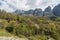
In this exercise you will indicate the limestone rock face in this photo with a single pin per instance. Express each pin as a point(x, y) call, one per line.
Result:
point(56, 10)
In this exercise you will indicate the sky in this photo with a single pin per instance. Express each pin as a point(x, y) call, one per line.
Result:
point(12, 5)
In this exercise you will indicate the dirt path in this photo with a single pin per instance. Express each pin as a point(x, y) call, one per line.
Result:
point(12, 38)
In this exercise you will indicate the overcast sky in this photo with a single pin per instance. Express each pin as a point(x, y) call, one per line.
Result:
point(11, 5)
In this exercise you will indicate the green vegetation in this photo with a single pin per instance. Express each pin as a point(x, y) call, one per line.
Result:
point(31, 27)
point(4, 33)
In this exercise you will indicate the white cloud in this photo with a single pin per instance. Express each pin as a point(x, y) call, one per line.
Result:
point(10, 5)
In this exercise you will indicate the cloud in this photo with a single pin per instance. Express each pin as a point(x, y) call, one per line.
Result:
point(5, 6)
point(31, 2)
point(11, 5)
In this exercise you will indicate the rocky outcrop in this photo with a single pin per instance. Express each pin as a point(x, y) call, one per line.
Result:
point(56, 10)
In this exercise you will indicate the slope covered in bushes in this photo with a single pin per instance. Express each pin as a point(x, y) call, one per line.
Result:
point(31, 27)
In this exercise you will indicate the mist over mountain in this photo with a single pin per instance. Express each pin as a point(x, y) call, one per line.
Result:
point(36, 12)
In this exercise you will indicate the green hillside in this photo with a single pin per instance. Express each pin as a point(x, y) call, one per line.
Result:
point(31, 27)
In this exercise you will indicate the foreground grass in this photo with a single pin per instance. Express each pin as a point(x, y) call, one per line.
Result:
point(4, 33)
